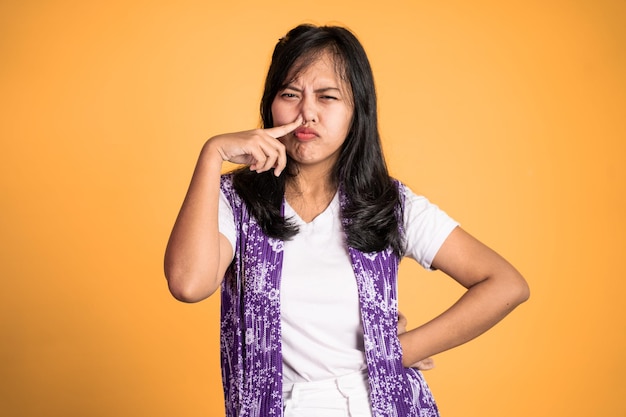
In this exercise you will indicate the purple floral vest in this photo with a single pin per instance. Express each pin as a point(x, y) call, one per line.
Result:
point(251, 336)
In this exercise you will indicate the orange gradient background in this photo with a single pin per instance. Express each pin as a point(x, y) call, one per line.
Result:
point(509, 115)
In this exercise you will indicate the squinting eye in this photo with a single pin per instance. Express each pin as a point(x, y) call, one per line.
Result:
point(288, 95)
point(329, 98)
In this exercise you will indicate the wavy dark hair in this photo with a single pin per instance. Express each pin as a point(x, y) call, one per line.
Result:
point(360, 171)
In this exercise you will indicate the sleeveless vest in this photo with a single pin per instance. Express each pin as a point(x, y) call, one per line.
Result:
point(250, 338)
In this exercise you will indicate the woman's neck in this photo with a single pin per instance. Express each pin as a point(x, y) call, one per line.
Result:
point(309, 195)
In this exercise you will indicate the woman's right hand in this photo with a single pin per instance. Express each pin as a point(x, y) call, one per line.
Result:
point(261, 149)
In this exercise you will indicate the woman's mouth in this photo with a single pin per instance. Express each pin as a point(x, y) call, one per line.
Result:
point(305, 133)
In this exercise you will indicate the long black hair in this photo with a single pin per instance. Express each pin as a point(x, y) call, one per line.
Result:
point(360, 171)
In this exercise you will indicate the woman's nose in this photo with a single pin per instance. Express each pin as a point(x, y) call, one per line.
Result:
point(308, 110)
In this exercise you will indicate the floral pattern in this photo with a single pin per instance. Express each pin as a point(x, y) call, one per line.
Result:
point(250, 326)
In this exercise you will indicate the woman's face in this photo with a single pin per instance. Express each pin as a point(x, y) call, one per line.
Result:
point(324, 101)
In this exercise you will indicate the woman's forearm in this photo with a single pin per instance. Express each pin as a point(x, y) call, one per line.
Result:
point(479, 309)
point(494, 289)
point(194, 250)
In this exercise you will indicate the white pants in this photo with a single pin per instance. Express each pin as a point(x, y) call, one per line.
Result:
point(346, 396)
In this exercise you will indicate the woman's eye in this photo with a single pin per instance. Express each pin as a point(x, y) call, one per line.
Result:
point(288, 95)
point(329, 98)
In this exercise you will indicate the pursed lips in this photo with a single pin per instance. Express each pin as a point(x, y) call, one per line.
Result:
point(305, 133)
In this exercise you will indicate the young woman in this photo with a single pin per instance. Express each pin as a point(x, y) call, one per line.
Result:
point(305, 240)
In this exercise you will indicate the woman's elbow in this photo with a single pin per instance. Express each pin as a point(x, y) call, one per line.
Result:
point(524, 292)
point(189, 289)
point(519, 291)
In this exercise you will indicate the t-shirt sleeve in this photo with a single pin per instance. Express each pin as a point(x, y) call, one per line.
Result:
point(226, 220)
point(426, 227)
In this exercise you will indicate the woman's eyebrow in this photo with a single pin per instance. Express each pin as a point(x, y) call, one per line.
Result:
point(319, 90)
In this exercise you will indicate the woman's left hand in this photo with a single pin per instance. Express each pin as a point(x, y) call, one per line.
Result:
point(423, 365)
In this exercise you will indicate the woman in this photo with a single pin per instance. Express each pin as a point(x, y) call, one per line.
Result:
point(305, 242)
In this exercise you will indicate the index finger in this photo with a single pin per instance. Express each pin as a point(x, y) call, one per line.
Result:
point(280, 131)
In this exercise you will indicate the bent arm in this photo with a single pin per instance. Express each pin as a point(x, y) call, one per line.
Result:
point(197, 255)
point(494, 289)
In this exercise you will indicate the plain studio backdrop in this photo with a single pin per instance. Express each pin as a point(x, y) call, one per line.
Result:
point(509, 115)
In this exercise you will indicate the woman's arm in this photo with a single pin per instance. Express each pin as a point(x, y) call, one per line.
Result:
point(494, 289)
point(197, 254)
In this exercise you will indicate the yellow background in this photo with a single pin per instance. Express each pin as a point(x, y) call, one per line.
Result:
point(509, 115)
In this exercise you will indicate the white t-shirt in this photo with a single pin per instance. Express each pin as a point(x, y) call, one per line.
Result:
point(322, 335)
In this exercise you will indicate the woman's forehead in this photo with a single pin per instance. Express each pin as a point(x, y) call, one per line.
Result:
point(321, 61)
